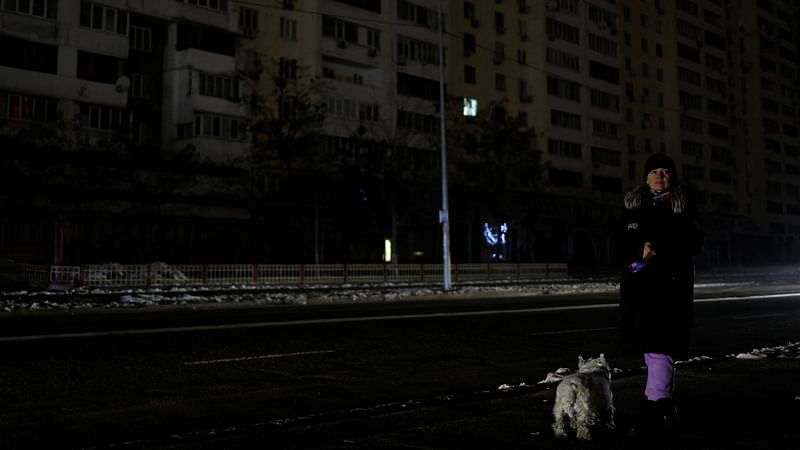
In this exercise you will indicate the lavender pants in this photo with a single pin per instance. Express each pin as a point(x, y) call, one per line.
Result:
point(660, 376)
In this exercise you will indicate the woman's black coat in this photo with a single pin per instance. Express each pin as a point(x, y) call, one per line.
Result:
point(656, 302)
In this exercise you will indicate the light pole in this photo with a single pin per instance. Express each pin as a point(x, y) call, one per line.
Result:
point(444, 218)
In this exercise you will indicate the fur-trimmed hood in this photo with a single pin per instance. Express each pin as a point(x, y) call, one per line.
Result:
point(635, 197)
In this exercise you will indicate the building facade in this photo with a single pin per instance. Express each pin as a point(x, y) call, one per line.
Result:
point(603, 84)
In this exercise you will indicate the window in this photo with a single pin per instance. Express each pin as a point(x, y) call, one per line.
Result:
point(418, 122)
point(499, 52)
point(500, 82)
point(469, 10)
point(499, 22)
point(288, 29)
point(604, 128)
point(368, 5)
point(219, 86)
point(604, 100)
point(565, 119)
point(522, 56)
point(602, 45)
point(692, 148)
point(28, 107)
point(563, 59)
point(470, 107)
point(140, 85)
point(248, 20)
point(689, 76)
point(564, 89)
point(28, 55)
point(373, 38)
point(718, 131)
point(38, 8)
point(602, 17)
point(692, 124)
point(105, 118)
point(469, 44)
point(603, 72)
point(522, 119)
point(419, 14)
point(369, 113)
point(287, 69)
point(219, 5)
point(416, 50)
point(564, 148)
point(99, 68)
point(693, 173)
point(417, 87)
point(103, 18)
point(690, 101)
point(141, 39)
point(716, 86)
point(470, 75)
point(562, 31)
point(606, 156)
point(522, 88)
point(223, 127)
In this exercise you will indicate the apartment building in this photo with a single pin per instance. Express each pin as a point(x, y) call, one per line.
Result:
point(171, 79)
point(604, 84)
point(555, 66)
point(158, 76)
point(711, 83)
point(121, 86)
point(764, 97)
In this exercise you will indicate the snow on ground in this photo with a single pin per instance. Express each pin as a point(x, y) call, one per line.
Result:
point(278, 295)
point(789, 351)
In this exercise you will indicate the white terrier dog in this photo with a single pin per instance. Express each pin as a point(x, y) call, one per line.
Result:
point(585, 399)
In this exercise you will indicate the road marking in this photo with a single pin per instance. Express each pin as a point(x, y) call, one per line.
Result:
point(336, 320)
point(747, 297)
point(575, 331)
point(252, 358)
point(758, 316)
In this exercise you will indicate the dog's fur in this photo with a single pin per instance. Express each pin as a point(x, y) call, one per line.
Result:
point(584, 398)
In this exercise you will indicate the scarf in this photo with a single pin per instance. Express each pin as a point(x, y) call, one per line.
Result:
point(660, 196)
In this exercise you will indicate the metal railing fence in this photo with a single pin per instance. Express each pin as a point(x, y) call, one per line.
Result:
point(163, 275)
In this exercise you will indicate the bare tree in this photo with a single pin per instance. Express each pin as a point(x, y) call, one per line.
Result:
point(287, 117)
point(493, 159)
point(391, 145)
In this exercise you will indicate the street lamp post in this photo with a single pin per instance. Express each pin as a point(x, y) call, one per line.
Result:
point(444, 218)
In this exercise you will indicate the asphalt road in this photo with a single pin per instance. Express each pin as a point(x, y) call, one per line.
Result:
point(199, 378)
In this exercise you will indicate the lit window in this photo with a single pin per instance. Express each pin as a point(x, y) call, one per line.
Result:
point(470, 107)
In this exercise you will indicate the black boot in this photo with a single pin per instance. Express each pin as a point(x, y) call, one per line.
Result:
point(666, 413)
point(656, 419)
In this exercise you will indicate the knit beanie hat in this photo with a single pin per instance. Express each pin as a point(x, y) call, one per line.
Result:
point(661, 160)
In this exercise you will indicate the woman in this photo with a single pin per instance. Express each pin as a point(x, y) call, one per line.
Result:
point(661, 236)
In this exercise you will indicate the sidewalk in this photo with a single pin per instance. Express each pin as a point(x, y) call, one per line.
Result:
point(728, 404)
point(732, 404)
